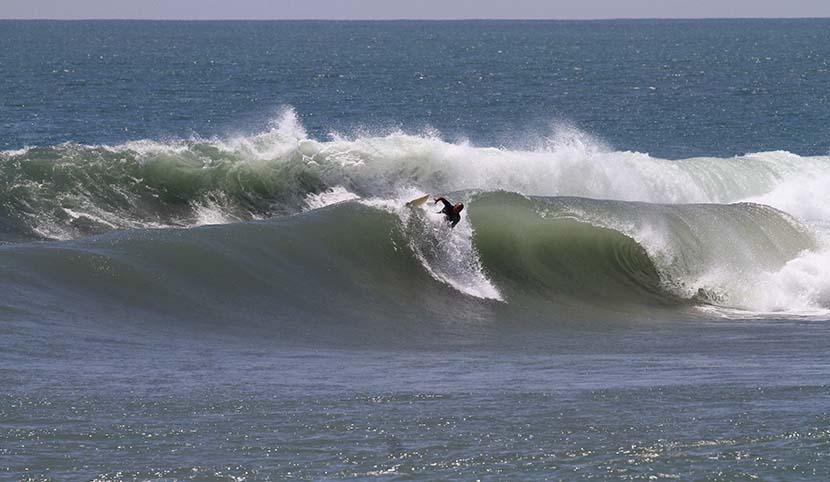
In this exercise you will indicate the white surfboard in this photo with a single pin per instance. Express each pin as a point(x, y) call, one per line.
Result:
point(418, 201)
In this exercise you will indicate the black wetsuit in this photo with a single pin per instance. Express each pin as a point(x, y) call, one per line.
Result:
point(449, 211)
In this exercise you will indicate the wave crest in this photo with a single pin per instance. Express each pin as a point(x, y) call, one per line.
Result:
point(71, 190)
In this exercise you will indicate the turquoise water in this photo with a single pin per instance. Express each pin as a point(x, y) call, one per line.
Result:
point(208, 272)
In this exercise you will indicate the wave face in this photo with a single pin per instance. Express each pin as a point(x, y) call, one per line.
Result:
point(348, 266)
point(565, 225)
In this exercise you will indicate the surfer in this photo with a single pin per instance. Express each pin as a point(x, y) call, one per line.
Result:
point(453, 213)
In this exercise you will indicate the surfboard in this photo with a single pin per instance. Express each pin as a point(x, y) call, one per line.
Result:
point(418, 201)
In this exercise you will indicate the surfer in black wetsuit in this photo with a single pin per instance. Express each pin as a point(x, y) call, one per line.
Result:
point(453, 213)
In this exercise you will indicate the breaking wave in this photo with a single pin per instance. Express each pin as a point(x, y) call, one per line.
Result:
point(552, 258)
point(552, 229)
point(71, 190)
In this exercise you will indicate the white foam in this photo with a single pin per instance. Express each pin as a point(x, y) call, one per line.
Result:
point(210, 213)
point(334, 195)
point(566, 164)
point(146, 147)
point(805, 196)
point(448, 255)
point(14, 152)
point(280, 141)
point(800, 288)
point(455, 261)
point(79, 215)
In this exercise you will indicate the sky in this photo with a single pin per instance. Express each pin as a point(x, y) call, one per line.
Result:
point(409, 9)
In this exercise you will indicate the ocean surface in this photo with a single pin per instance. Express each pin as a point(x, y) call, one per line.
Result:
point(208, 273)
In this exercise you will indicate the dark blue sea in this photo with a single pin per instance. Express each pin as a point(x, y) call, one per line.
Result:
point(208, 270)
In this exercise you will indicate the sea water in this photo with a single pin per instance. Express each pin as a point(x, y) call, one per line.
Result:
point(208, 272)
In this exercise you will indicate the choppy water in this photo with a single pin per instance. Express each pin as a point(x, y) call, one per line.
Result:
point(209, 273)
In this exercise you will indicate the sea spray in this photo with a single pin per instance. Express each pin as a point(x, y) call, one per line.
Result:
point(447, 254)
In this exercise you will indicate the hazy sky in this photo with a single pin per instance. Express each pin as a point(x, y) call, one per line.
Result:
point(422, 9)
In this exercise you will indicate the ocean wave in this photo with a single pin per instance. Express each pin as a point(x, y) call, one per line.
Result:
point(70, 190)
point(514, 257)
point(745, 256)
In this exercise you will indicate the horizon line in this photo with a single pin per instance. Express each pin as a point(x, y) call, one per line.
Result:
point(458, 19)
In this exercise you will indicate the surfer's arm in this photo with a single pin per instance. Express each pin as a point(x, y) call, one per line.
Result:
point(455, 222)
point(447, 204)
